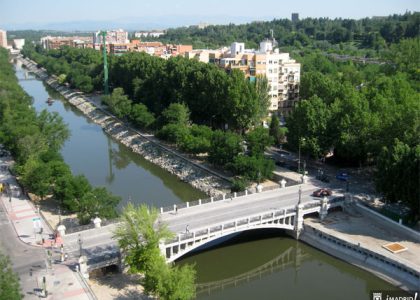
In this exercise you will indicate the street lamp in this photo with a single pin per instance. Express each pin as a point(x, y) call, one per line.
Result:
point(301, 139)
point(300, 194)
point(79, 240)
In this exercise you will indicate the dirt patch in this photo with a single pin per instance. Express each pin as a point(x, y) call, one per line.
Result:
point(394, 247)
point(117, 286)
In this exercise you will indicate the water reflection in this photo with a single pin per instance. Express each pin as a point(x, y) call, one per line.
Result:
point(269, 265)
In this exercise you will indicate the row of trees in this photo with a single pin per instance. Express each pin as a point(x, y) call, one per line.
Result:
point(138, 235)
point(35, 140)
point(372, 33)
point(223, 148)
point(213, 97)
point(367, 114)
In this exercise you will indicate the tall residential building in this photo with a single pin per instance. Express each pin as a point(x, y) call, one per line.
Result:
point(295, 17)
point(282, 72)
point(112, 37)
point(3, 38)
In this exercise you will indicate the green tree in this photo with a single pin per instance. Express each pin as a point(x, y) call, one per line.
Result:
point(173, 133)
point(97, 202)
point(252, 168)
point(53, 129)
point(397, 175)
point(176, 113)
point(141, 116)
point(37, 177)
point(262, 88)
point(258, 140)
point(138, 235)
point(224, 147)
point(309, 122)
point(9, 281)
point(276, 132)
point(70, 189)
point(118, 103)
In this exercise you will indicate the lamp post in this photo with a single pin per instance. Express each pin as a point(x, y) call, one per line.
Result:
point(300, 195)
point(79, 240)
point(300, 141)
point(299, 157)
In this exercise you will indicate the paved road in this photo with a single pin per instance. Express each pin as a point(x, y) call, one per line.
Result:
point(23, 257)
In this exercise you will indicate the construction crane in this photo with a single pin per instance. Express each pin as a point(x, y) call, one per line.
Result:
point(106, 88)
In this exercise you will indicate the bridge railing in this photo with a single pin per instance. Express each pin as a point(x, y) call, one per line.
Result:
point(247, 220)
point(214, 199)
point(79, 228)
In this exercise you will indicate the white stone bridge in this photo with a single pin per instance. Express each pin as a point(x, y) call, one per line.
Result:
point(200, 223)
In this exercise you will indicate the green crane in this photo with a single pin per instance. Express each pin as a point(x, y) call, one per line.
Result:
point(106, 88)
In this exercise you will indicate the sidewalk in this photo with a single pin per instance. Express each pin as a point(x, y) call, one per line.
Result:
point(61, 281)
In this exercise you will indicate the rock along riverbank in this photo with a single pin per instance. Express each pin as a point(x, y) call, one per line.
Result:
point(186, 170)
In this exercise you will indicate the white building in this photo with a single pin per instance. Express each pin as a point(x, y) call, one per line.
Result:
point(153, 33)
point(112, 37)
point(18, 43)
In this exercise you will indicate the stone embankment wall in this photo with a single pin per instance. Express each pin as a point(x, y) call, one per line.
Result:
point(395, 272)
point(186, 170)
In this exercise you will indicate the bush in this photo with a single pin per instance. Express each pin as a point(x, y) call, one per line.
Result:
point(239, 184)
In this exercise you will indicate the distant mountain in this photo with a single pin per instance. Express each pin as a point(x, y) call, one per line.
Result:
point(132, 23)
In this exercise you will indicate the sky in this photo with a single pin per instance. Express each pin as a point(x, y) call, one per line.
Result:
point(27, 14)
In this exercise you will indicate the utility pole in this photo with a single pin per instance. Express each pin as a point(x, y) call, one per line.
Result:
point(106, 88)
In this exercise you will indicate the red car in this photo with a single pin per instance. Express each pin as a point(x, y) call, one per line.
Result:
point(322, 193)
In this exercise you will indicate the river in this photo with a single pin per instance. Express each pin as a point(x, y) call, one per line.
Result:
point(255, 265)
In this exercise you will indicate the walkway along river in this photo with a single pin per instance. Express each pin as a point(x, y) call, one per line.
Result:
point(252, 266)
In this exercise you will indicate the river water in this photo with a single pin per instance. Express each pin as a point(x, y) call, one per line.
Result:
point(255, 265)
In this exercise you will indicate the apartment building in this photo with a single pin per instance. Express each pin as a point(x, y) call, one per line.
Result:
point(3, 38)
point(55, 42)
point(282, 72)
point(118, 36)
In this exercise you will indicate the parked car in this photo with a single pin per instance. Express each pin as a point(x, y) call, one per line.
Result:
point(323, 177)
point(322, 193)
point(283, 153)
point(280, 163)
point(343, 176)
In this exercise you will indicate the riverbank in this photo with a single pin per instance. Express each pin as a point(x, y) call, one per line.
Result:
point(194, 173)
point(358, 240)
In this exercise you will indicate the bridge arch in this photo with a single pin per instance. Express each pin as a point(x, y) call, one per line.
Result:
point(187, 242)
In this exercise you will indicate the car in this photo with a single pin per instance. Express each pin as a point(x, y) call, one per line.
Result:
point(283, 153)
point(280, 163)
point(322, 193)
point(323, 178)
point(342, 176)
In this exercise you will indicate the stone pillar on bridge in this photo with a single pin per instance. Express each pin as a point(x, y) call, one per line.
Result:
point(298, 221)
point(97, 221)
point(283, 183)
point(83, 266)
point(61, 230)
point(347, 198)
point(324, 208)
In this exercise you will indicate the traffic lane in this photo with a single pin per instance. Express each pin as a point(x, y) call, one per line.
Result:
point(27, 261)
point(231, 212)
point(251, 199)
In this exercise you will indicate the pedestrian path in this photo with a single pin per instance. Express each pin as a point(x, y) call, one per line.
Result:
point(60, 279)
